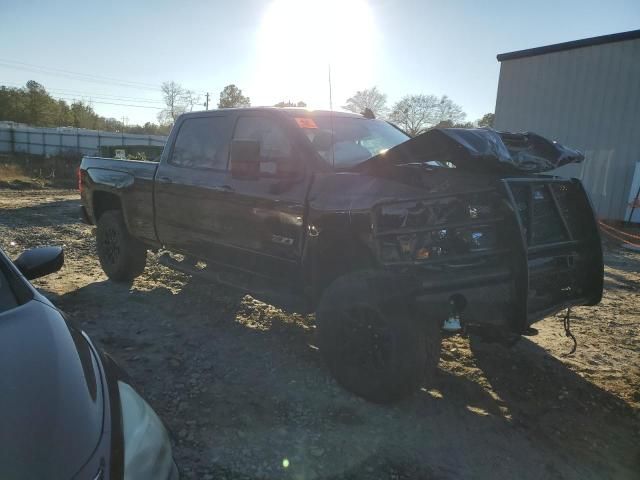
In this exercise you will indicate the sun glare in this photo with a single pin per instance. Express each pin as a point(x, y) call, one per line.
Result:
point(299, 39)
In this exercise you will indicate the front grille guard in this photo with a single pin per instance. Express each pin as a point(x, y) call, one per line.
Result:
point(521, 316)
point(523, 248)
point(379, 233)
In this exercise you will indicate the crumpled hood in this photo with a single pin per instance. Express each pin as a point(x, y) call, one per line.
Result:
point(482, 150)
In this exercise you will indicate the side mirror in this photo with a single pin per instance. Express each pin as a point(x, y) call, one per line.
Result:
point(41, 261)
point(245, 159)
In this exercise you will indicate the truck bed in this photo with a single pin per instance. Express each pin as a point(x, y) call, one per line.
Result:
point(110, 183)
point(134, 167)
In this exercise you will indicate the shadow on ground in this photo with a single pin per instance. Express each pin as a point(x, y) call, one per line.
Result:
point(242, 387)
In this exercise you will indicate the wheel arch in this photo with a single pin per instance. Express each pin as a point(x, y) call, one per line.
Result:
point(103, 201)
point(330, 258)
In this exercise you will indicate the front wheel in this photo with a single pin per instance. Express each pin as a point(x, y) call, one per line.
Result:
point(121, 256)
point(372, 340)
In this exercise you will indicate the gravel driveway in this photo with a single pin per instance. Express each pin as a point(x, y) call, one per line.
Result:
point(241, 386)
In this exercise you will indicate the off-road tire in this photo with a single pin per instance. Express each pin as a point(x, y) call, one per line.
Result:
point(372, 340)
point(121, 256)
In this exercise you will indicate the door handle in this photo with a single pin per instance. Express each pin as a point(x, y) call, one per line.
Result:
point(223, 188)
point(165, 180)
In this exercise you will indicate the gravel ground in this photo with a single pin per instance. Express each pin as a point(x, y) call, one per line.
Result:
point(241, 386)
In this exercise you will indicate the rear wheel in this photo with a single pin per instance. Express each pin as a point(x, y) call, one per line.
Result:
point(121, 256)
point(372, 340)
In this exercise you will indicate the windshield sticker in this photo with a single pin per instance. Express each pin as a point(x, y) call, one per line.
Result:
point(304, 122)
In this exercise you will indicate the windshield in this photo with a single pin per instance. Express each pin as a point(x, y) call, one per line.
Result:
point(354, 139)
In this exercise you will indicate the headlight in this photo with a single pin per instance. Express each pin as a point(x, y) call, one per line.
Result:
point(437, 243)
point(431, 228)
point(147, 450)
point(433, 212)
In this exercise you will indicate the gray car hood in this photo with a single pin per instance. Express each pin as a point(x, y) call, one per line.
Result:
point(480, 150)
point(50, 395)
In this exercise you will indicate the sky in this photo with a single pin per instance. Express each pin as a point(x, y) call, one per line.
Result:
point(117, 54)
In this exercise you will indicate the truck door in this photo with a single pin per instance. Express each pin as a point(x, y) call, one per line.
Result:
point(263, 216)
point(187, 185)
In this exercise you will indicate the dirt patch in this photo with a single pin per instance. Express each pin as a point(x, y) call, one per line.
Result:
point(23, 172)
point(241, 386)
point(14, 178)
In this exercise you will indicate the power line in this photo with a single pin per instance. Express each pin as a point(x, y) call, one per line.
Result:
point(96, 95)
point(83, 76)
point(110, 103)
point(120, 84)
point(105, 96)
point(64, 94)
point(68, 73)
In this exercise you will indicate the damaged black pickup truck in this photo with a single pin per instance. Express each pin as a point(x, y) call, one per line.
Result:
point(387, 238)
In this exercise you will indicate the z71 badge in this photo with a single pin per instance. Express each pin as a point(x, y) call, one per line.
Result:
point(281, 240)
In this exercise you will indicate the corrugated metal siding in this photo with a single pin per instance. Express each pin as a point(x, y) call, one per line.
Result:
point(587, 98)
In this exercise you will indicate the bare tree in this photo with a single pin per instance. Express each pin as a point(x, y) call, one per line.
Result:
point(177, 101)
point(448, 110)
point(191, 99)
point(368, 99)
point(417, 113)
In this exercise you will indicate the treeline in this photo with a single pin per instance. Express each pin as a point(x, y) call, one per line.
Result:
point(413, 113)
point(33, 105)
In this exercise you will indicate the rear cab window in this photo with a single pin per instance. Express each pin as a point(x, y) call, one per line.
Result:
point(201, 143)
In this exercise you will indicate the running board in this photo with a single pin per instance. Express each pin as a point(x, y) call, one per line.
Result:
point(255, 285)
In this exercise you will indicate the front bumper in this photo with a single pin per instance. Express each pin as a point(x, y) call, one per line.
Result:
point(487, 298)
point(548, 257)
point(495, 297)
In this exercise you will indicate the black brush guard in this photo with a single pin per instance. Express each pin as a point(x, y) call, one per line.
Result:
point(559, 257)
point(549, 256)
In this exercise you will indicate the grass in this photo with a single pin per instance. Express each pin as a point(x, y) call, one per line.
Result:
point(13, 176)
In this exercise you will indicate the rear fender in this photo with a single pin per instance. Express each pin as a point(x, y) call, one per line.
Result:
point(104, 183)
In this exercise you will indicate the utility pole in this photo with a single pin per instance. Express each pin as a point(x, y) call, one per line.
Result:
point(206, 105)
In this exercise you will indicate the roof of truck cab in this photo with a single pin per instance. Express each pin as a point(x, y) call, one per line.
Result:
point(296, 111)
point(291, 111)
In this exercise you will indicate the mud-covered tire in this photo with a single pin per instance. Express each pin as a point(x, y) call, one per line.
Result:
point(373, 342)
point(121, 256)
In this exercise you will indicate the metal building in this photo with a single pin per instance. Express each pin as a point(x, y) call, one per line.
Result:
point(584, 94)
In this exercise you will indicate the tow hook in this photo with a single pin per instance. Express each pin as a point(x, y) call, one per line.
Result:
point(457, 304)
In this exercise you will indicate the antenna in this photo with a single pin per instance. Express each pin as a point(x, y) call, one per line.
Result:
point(333, 150)
point(330, 98)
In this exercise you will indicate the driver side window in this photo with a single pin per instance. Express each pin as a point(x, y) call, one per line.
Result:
point(276, 153)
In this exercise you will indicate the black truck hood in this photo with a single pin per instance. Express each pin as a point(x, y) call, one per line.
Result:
point(51, 394)
point(479, 150)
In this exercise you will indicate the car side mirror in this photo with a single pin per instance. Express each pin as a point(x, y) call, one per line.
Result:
point(41, 261)
point(245, 159)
